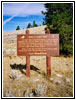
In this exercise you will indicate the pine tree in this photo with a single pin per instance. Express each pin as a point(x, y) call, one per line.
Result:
point(43, 23)
point(59, 18)
point(34, 24)
point(29, 25)
point(18, 28)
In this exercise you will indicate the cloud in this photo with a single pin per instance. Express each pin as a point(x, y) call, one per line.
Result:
point(22, 9)
point(7, 20)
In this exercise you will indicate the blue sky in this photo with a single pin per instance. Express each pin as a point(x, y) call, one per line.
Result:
point(21, 14)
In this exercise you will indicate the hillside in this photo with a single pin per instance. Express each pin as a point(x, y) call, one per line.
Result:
point(17, 84)
point(11, 37)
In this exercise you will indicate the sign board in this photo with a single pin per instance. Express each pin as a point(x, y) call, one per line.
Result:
point(38, 44)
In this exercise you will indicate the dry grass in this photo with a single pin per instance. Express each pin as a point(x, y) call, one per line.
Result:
point(56, 86)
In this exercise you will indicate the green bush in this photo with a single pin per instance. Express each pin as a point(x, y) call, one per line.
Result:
point(59, 19)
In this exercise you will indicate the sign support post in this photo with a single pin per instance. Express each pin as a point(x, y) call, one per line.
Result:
point(48, 59)
point(27, 60)
point(48, 64)
point(28, 66)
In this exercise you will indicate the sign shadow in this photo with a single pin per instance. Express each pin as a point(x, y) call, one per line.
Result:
point(22, 67)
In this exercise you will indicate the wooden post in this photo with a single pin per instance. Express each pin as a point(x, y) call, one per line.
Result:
point(28, 66)
point(48, 65)
point(48, 58)
point(27, 60)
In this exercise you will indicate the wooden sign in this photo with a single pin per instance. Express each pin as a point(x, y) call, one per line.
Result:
point(38, 44)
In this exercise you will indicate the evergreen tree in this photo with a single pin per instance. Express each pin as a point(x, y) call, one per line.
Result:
point(59, 18)
point(34, 24)
point(43, 23)
point(18, 28)
point(29, 25)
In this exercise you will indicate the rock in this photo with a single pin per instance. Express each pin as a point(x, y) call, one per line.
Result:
point(13, 74)
point(4, 51)
point(59, 75)
point(14, 51)
point(8, 51)
point(51, 79)
point(68, 80)
point(38, 74)
point(36, 80)
point(63, 85)
point(18, 77)
point(57, 81)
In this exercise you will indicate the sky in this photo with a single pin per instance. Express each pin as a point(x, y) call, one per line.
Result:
point(21, 14)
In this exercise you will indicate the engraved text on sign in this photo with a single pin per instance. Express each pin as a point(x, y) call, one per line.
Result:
point(38, 45)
